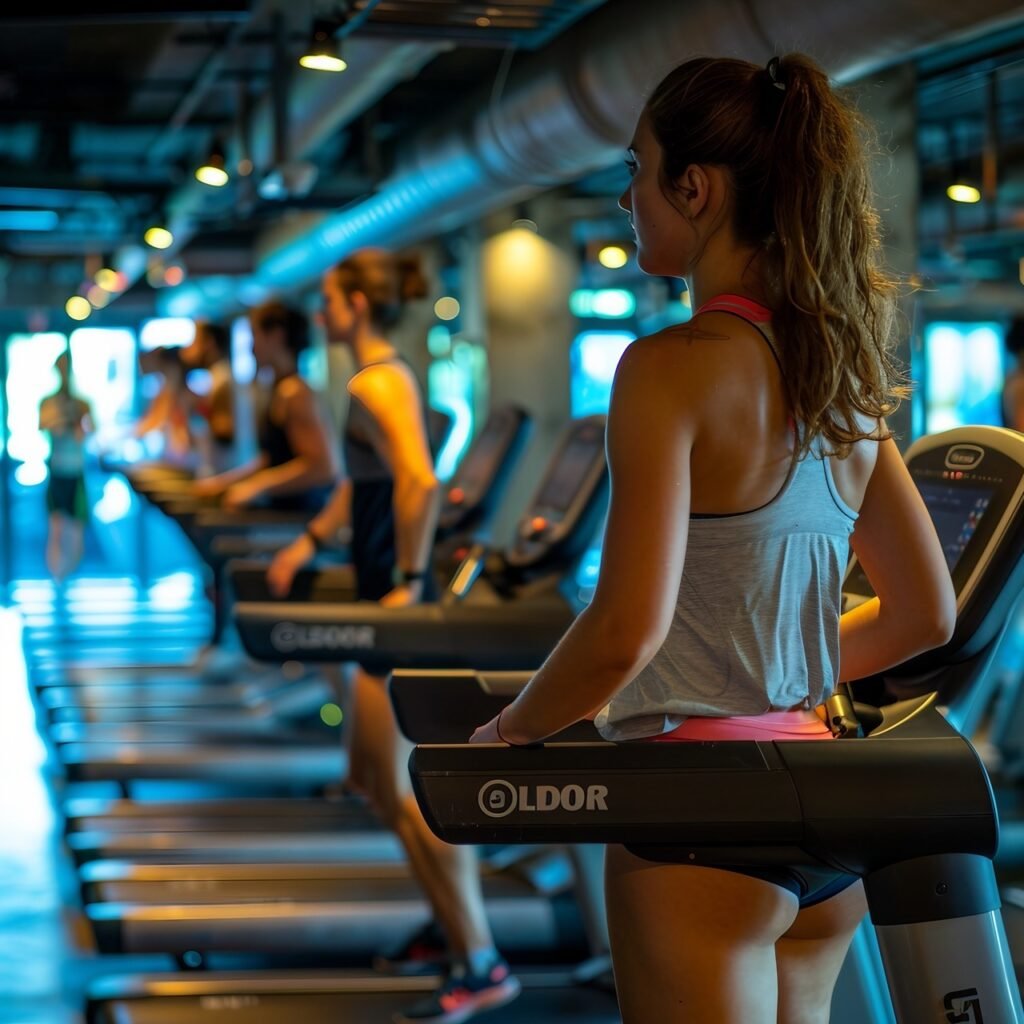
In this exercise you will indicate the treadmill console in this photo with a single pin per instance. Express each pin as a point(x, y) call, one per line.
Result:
point(567, 494)
point(482, 463)
point(972, 482)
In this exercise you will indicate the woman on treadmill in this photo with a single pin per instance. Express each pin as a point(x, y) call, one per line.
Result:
point(390, 499)
point(748, 450)
point(296, 466)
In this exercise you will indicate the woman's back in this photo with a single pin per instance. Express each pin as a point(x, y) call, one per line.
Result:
point(756, 621)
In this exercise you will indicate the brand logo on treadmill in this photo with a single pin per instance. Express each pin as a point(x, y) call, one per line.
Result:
point(288, 637)
point(498, 798)
point(964, 456)
point(963, 1007)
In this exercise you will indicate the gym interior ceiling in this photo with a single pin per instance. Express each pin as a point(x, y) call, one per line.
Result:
point(105, 116)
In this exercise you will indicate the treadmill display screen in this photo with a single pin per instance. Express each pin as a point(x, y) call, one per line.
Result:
point(564, 483)
point(956, 512)
point(478, 465)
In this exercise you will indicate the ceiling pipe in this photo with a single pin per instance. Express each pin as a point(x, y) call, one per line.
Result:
point(570, 109)
point(317, 107)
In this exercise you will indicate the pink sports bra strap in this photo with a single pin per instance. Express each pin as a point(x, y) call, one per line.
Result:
point(739, 306)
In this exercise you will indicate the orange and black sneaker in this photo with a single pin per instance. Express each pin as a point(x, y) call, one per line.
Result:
point(464, 995)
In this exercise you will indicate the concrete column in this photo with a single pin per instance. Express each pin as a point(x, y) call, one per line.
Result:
point(527, 278)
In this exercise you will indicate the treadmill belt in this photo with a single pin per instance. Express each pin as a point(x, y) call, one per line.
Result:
point(552, 1006)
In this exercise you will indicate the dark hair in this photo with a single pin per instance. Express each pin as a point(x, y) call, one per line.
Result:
point(387, 281)
point(1014, 340)
point(218, 334)
point(797, 159)
point(295, 324)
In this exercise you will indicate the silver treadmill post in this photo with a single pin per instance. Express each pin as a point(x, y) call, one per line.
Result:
point(942, 941)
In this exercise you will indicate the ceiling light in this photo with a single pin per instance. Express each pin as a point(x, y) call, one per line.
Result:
point(323, 54)
point(77, 307)
point(107, 279)
point(213, 172)
point(613, 257)
point(159, 238)
point(447, 308)
point(961, 193)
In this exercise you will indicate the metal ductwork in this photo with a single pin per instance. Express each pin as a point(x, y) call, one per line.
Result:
point(570, 109)
point(317, 105)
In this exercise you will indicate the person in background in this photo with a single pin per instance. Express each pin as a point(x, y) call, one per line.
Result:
point(1013, 389)
point(169, 413)
point(67, 420)
point(210, 350)
point(390, 499)
point(296, 465)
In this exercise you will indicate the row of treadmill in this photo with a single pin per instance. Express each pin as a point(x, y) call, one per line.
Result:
point(233, 847)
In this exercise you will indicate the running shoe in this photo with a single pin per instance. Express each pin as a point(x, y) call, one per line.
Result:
point(463, 996)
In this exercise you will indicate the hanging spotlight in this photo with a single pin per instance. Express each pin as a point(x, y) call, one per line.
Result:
point(107, 279)
point(963, 193)
point(159, 237)
point(77, 307)
point(213, 172)
point(323, 52)
point(613, 257)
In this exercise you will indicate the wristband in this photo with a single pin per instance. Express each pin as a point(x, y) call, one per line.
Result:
point(400, 577)
point(497, 727)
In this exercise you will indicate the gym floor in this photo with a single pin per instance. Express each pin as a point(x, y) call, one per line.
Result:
point(46, 959)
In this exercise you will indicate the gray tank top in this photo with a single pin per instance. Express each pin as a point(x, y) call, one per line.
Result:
point(756, 624)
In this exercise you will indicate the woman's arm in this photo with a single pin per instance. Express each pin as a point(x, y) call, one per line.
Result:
point(651, 432)
point(313, 464)
point(211, 486)
point(895, 540)
point(393, 400)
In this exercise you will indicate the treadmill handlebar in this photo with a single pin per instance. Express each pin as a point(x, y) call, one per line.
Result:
point(855, 806)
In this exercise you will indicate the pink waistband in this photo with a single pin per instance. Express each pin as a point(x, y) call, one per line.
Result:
point(773, 725)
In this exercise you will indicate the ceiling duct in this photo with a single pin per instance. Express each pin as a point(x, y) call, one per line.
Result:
point(316, 106)
point(570, 109)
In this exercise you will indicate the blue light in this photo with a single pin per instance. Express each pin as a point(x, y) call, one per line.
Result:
point(176, 331)
point(963, 375)
point(603, 303)
point(594, 357)
point(28, 220)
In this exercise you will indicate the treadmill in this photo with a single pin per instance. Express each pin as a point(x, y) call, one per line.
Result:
point(511, 612)
point(469, 504)
point(924, 847)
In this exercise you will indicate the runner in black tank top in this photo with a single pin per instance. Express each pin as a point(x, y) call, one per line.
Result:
point(295, 467)
point(372, 509)
point(390, 499)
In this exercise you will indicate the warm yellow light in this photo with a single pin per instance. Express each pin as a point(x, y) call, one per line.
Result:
point(322, 62)
point(447, 308)
point(97, 296)
point(686, 300)
point(483, 22)
point(107, 279)
point(159, 238)
point(1020, 266)
point(961, 193)
point(77, 307)
point(613, 257)
point(211, 174)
